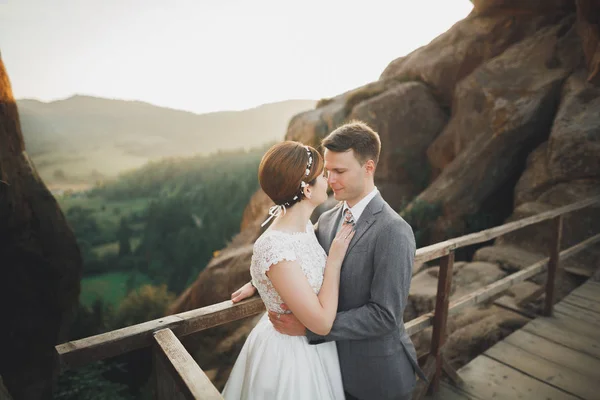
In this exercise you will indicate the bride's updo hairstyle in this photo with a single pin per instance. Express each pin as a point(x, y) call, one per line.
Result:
point(284, 167)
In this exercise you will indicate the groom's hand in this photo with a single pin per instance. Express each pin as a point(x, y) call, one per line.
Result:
point(287, 324)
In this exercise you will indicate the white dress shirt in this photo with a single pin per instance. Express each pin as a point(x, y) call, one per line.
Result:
point(359, 207)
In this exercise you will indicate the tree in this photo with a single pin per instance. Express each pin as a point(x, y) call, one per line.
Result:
point(141, 305)
point(123, 236)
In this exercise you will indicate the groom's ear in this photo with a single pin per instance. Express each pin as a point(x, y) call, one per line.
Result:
point(370, 166)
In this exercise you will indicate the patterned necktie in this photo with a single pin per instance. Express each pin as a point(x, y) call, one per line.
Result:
point(348, 218)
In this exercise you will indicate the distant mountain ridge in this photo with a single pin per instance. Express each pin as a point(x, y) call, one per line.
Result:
point(83, 138)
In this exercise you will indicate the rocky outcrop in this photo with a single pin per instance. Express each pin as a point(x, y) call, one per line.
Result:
point(311, 126)
point(467, 277)
point(496, 118)
point(573, 150)
point(577, 226)
point(407, 118)
point(486, 33)
point(588, 26)
point(509, 258)
point(40, 264)
point(4, 395)
point(522, 7)
point(560, 171)
point(503, 110)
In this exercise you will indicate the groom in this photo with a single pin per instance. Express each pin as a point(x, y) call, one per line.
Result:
point(377, 357)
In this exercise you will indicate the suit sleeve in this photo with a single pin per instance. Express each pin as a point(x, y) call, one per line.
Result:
point(392, 264)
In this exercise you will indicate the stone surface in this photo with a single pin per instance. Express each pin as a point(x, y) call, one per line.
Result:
point(456, 53)
point(501, 100)
point(4, 395)
point(471, 332)
point(504, 109)
point(522, 7)
point(407, 118)
point(536, 179)
point(467, 278)
point(574, 145)
point(509, 258)
point(40, 264)
point(588, 26)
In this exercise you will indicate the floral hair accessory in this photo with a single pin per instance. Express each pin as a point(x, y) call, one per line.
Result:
point(276, 210)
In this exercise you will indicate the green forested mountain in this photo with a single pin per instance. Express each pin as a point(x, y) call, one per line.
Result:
point(144, 237)
point(166, 219)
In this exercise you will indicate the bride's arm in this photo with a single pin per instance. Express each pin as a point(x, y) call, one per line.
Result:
point(316, 312)
point(248, 290)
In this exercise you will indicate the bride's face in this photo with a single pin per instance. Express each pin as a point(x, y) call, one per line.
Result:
point(319, 190)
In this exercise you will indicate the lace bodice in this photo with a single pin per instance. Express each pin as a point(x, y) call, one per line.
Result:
point(275, 246)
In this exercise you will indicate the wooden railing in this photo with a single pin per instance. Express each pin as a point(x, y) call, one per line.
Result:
point(178, 376)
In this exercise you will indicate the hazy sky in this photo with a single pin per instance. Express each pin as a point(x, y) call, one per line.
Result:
point(208, 55)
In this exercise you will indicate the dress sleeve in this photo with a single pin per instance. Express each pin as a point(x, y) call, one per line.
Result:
point(271, 250)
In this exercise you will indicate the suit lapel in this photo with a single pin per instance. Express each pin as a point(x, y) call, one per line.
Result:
point(333, 224)
point(366, 219)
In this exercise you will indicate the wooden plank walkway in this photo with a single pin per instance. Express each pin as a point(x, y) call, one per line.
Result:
point(549, 358)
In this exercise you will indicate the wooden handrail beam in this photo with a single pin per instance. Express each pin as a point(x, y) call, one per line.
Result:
point(110, 344)
point(418, 324)
point(441, 249)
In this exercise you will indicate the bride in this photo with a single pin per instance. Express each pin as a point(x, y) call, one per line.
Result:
point(289, 266)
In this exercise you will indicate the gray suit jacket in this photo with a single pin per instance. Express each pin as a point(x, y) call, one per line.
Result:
point(377, 358)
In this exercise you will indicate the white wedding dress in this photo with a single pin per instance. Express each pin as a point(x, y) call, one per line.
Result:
point(276, 366)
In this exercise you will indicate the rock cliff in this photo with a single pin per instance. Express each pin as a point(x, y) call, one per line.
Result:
point(496, 119)
point(40, 264)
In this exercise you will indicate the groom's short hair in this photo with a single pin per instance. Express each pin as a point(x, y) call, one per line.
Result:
point(358, 136)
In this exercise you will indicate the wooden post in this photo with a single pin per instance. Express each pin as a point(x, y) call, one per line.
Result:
point(441, 316)
point(553, 265)
point(429, 371)
point(165, 385)
point(177, 375)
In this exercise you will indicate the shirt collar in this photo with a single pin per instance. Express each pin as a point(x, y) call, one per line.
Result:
point(359, 207)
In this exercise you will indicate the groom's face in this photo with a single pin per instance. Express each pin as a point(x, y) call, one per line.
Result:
point(345, 175)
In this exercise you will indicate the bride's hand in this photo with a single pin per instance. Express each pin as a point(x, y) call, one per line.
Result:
point(243, 293)
point(340, 243)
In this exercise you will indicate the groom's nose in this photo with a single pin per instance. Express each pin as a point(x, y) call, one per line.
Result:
point(330, 178)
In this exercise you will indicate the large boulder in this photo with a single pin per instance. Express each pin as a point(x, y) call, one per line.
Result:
point(509, 257)
point(577, 226)
point(40, 264)
point(476, 330)
point(573, 149)
point(467, 277)
point(503, 110)
point(471, 332)
point(456, 53)
point(508, 95)
point(524, 247)
point(310, 127)
point(588, 26)
point(522, 7)
point(4, 395)
point(574, 144)
point(536, 178)
point(407, 118)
